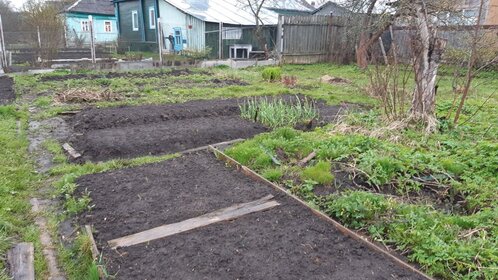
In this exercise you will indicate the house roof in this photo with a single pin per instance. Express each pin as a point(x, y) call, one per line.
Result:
point(230, 11)
point(96, 7)
point(330, 8)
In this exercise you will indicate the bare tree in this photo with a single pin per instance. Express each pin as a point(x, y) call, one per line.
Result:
point(428, 50)
point(46, 16)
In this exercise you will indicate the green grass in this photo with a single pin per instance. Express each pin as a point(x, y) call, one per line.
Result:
point(455, 241)
point(458, 244)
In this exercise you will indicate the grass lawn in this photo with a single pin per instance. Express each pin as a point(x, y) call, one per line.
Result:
point(433, 198)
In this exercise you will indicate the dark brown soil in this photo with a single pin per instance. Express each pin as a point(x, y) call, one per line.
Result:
point(127, 132)
point(113, 75)
point(286, 242)
point(7, 94)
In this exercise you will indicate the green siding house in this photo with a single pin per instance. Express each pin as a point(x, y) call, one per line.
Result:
point(195, 25)
point(77, 22)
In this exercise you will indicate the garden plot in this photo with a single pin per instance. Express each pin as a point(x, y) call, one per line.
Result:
point(7, 93)
point(285, 242)
point(127, 132)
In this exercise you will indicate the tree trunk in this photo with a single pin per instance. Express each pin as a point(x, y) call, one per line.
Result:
point(364, 38)
point(427, 56)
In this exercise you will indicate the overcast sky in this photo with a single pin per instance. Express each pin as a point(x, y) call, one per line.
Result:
point(17, 3)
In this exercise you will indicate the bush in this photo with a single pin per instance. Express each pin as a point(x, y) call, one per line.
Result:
point(320, 173)
point(272, 74)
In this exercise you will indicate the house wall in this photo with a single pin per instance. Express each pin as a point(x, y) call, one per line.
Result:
point(248, 37)
point(74, 29)
point(126, 32)
point(193, 29)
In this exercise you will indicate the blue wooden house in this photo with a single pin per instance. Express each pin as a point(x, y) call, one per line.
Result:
point(77, 23)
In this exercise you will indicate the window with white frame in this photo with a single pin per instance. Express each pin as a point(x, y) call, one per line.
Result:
point(107, 26)
point(232, 33)
point(134, 20)
point(85, 26)
point(152, 18)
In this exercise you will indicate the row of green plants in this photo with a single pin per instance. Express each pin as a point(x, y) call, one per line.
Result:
point(276, 112)
point(461, 243)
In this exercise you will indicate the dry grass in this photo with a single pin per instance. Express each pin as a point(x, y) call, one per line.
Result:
point(83, 95)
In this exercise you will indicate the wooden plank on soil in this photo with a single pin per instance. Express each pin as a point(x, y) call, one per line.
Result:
point(21, 259)
point(71, 151)
point(225, 214)
point(344, 230)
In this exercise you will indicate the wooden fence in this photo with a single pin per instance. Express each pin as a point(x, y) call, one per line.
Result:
point(312, 39)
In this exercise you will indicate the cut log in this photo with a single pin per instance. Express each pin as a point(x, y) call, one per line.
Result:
point(21, 260)
point(71, 151)
point(225, 214)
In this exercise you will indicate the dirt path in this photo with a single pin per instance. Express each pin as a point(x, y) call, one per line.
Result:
point(7, 93)
point(286, 242)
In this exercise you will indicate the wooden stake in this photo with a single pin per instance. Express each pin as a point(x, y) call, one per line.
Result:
point(225, 214)
point(71, 151)
point(21, 259)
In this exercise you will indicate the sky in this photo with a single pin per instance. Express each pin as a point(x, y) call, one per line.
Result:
point(17, 3)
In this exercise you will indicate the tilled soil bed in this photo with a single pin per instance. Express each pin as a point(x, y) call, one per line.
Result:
point(285, 242)
point(127, 132)
point(7, 93)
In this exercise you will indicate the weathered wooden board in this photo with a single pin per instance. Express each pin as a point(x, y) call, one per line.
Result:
point(225, 214)
point(71, 151)
point(21, 259)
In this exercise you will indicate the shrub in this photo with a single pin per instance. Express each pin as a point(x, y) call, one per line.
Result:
point(272, 74)
point(320, 173)
point(289, 81)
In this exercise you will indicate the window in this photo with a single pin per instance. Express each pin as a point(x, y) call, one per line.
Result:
point(232, 33)
point(152, 18)
point(107, 26)
point(85, 26)
point(470, 16)
point(134, 20)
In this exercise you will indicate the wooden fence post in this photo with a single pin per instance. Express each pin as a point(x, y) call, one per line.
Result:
point(3, 50)
point(92, 39)
point(220, 43)
point(280, 38)
point(160, 40)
